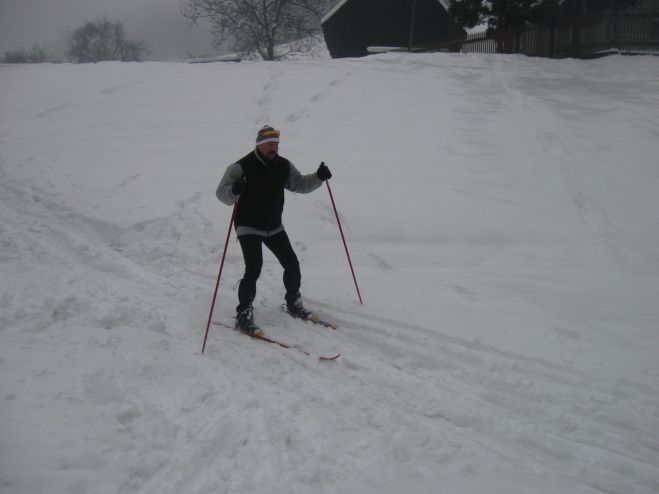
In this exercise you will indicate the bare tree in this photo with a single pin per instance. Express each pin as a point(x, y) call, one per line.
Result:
point(103, 40)
point(258, 26)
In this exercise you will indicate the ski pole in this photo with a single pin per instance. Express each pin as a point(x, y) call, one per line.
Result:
point(219, 275)
point(338, 221)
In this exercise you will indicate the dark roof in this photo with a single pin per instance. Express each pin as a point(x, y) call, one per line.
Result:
point(340, 4)
point(351, 26)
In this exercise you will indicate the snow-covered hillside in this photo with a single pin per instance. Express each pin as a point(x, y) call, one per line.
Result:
point(501, 214)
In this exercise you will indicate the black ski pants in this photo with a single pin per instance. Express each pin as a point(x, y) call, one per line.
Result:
point(252, 247)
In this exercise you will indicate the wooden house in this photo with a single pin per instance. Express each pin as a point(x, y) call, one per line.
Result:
point(353, 28)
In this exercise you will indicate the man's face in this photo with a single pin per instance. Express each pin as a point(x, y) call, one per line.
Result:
point(268, 149)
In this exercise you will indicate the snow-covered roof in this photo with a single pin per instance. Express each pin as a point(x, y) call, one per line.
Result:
point(341, 3)
point(333, 10)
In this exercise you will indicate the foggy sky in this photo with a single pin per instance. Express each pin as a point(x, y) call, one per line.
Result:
point(50, 23)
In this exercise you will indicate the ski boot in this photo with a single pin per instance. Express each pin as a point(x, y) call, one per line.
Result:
point(245, 322)
point(295, 308)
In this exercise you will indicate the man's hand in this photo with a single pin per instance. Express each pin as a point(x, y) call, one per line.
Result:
point(323, 172)
point(239, 187)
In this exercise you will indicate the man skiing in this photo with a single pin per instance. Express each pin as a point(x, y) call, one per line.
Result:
point(257, 182)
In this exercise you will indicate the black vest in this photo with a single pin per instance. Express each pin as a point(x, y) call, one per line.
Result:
point(262, 203)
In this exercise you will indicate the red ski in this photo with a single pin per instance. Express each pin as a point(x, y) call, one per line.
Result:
point(267, 339)
point(312, 318)
point(315, 318)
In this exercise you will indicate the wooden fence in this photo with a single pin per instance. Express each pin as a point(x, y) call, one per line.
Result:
point(588, 36)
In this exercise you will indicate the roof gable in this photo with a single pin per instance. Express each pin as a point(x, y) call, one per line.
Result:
point(341, 3)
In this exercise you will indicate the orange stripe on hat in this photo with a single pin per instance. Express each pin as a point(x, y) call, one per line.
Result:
point(267, 134)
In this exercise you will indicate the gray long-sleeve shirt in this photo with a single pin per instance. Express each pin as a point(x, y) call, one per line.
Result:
point(296, 182)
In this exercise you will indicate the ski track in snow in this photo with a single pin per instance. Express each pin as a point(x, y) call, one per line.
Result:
point(104, 388)
point(591, 213)
point(522, 410)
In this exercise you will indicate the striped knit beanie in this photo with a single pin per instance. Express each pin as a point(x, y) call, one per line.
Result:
point(267, 134)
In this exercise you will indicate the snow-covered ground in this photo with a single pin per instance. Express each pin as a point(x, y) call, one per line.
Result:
point(501, 215)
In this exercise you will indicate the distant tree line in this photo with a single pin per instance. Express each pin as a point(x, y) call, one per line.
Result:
point(95, 41)
point(36, 54)
point(270, 29)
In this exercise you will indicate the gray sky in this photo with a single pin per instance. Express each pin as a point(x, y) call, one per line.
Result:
point(50, 23)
